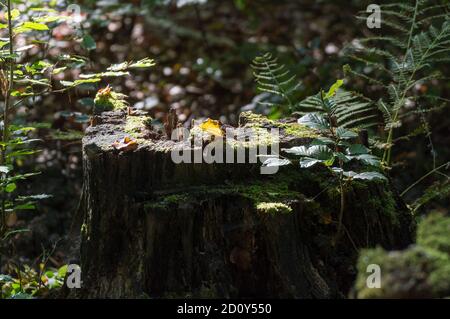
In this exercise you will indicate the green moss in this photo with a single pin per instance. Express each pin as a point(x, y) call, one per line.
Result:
point(250, 119)
point(298, 130)
point(135, 124)
point(261, 137)
point(166, 202)
point(257, 192)
point(386, 205)
point(273, 208)
point(108, 100)
point(421, 271)
point(434, 233)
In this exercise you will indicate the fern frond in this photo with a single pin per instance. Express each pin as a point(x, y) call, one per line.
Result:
point(275, 78)
point(400, 6)
point(365, 77)
point(349, 108)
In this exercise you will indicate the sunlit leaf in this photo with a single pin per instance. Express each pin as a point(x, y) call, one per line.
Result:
point(333, 89)
point(5, 169)
point(308, 162)
point(370, 176)
point(10, 188)
point(315, 121)
point(212, 127)
point(144, 63)
point(275, 162)
point(88, 43)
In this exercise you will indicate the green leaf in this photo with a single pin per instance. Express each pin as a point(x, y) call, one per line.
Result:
point(297, 150)
point(14, 14)
point(370, 176)
point(339, 171)
point(10, 188)
point(26, 206)
point(58, 70)
point(368, 159)
point(320, 152)
point(35, 26)
point(34, 197)
point(315, 121)
point(144, 63)
point(342, 157)
point(62, 271)
point(42, 9)
point(49, 19)
point(104, 74)
point(333, 89)
point(275, 162)
point(357, 149)
point(88, 43)
point(342, 133)
point(322, 140)
point(118, 67)
point(5, 169)
point(79, 82)
point(308, 162)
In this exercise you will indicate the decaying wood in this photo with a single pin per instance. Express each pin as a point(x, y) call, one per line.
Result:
point(153, 228)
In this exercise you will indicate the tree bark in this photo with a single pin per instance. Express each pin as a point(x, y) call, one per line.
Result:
point(153, 228)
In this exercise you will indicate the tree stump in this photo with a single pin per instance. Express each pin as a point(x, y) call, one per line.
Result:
point(154, 228)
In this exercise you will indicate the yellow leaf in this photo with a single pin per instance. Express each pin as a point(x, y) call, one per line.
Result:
point(212, 127)
point(125, 145)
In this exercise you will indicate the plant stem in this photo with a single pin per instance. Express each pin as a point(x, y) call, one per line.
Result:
point(10, 83)
point(341, 210)
point(6, 113)
point(423, 177)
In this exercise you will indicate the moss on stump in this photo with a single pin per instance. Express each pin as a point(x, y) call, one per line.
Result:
point(421, 271)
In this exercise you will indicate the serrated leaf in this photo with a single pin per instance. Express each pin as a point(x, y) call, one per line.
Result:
point(342, 133)
point(357, 149)
point(320, 152)
point(315, 121)
point(297, 150)
point(276, 162)
point(342, 157)
point(370, 176)
point(308, 162)
point(368, 159)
